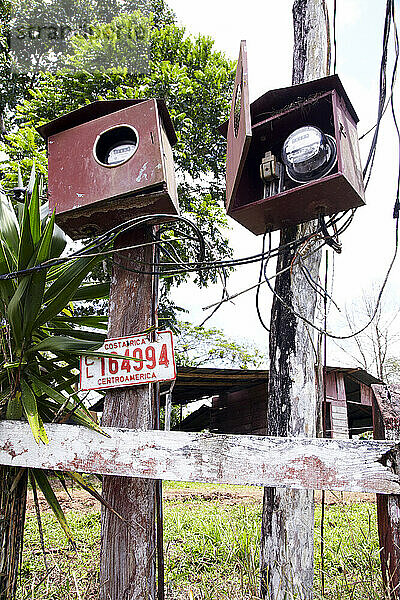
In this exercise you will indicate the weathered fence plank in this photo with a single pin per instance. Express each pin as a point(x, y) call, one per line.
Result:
point(300, 463)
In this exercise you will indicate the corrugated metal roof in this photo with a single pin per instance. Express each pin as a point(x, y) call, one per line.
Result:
point(193, 383)
point(359, 374)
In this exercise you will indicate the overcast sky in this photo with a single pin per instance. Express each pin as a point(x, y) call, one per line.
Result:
point(369, 243)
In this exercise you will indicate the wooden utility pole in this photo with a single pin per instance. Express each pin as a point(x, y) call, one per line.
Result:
point(386, 417)
point(128, 547)
point(287, 539)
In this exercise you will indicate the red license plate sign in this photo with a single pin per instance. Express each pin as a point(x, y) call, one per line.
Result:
point(153, 361)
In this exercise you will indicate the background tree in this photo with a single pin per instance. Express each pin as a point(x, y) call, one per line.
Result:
point(202, 347)
point(196, 83)
point(21, 64)
point(376, 349)
point(392, 369)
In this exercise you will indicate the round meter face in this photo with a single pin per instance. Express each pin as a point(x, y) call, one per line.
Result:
point(308, 154)
point(120, 153)
point(116, 146)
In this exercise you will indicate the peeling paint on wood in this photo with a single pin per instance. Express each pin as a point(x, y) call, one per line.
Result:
point(386, 413)
point(298, 463)
point(127, 560)
point(287, 538)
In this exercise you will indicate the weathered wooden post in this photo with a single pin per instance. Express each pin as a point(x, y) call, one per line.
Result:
point(128, 548)
point(122, 168)
point(292, 157)
point(386, 418)
point(287, 539)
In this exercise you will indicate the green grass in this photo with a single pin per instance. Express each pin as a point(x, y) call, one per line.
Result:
point(211, 549)
point(351, 549)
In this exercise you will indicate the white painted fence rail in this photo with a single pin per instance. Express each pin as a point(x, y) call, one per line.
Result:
point(238, 459)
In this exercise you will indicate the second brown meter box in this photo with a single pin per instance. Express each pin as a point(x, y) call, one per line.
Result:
point(292, 154)
point(110, 161)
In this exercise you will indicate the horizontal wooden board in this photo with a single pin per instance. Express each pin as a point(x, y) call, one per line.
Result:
point(238, 459)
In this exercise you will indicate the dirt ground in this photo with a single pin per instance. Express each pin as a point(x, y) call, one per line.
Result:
point(81, 501)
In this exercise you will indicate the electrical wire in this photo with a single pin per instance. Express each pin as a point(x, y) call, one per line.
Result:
point(173, 265)
point(333, 240)
point(106, 239)
point(334, 35)
point(324, 409)
point(396, 208)
point(176, 265)
point(382, 91)
point(355, 333)
point(207, 265)
point(302, 240)
point(322, 292)
point(374, 126)
point(264, 264)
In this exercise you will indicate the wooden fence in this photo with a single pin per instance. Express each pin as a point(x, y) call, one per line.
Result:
point(358, 466)
point(303, 463)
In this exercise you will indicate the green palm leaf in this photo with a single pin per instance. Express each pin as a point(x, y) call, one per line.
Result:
point(42, 338)
point(15, 311)
point(91, 336)
point(80, 413)
point(14, 408)
point(29, 405)
point(83, 483)
point(92, 292)
point(37, 281)
point(34, 213)
point(7, 286)
point(100, 322)
point(59, 294)
point(43, 483)
point(26, 245)
point(62, 343)
point(9, 226)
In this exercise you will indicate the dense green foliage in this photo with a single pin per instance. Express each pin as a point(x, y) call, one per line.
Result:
point(198, 346)
point(16, 82)
point(193, 78)
point(196, 83)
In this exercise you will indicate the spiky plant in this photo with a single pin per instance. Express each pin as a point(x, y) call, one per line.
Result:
point(40, 339)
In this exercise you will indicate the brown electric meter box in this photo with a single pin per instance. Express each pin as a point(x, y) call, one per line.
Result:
point(110, 161)
point(292, 154)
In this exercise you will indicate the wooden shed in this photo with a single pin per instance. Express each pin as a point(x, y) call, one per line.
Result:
point(239, 400)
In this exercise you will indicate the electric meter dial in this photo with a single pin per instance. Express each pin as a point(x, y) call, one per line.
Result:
point(115, 146)
point(119, 153)
point(308, 154)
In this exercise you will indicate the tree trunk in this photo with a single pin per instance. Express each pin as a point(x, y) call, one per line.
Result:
point(12, 520)
point(287, 538)
point(128, 548)
point(386, 419)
